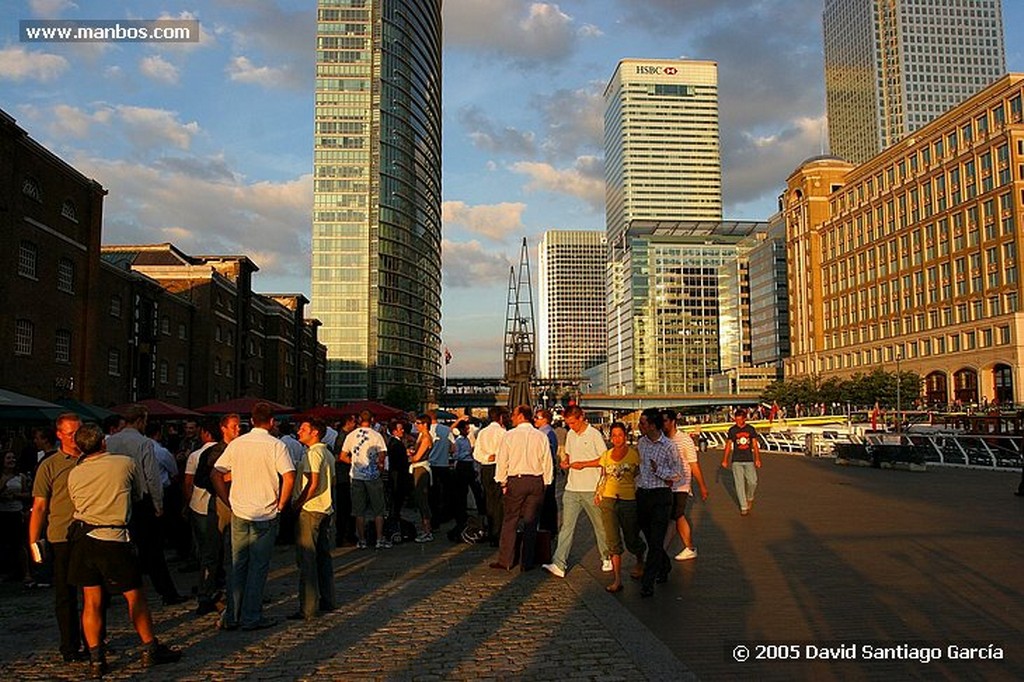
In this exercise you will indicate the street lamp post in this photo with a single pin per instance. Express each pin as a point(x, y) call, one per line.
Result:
point(899, 406)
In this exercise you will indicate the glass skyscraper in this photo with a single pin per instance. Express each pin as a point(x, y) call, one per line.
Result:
point(376, 270)
point(891, 66)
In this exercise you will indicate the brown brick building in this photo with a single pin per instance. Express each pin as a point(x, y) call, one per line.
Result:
point(109, 325)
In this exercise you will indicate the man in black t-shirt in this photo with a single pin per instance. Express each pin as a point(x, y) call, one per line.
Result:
point(741, 445)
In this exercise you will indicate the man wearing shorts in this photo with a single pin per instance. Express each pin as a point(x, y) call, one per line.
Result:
point(102, 488)
point(682, 489)
point(366, 451)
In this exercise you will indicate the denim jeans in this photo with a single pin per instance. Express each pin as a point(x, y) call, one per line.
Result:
point(252, 544)
point(744, 474)
point(574, 502)
point(314, 540)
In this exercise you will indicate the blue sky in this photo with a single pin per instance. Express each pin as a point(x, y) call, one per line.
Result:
point(209, 145)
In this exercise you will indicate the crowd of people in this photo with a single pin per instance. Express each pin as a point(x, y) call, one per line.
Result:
point(104, 504)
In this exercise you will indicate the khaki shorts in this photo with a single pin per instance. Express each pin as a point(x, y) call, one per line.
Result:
point(368, 498)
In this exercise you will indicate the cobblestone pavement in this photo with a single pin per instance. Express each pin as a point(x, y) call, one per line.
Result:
point(830, 555)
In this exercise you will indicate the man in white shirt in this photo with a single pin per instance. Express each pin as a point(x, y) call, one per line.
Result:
point(365, 450)
point(488, 442)
point(314, 535)
point(198, 499)
point(523, 468)
point(584, 446)
point(682, 489)
point(262, 477)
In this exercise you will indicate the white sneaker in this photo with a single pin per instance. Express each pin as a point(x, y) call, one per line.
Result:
point(554, 570)
point(606, 566)
point(686, 554)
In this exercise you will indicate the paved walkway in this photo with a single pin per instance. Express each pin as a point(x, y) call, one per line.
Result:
point(829, 556)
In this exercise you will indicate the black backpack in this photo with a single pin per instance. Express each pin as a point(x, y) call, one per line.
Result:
point(204, 467)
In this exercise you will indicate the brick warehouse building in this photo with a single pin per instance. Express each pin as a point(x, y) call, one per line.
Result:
point(109, 325)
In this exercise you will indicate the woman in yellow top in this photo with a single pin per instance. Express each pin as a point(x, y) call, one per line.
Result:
point(616, 497)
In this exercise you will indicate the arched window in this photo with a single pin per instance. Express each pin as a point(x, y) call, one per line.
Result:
point(68, 210)
point(935, 388)
point(965, 386)
point(30, 188)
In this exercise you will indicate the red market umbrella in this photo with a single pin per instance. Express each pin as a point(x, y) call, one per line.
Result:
point(243, 406)
point(380, 411)
point(158, 409)
point(324, 412)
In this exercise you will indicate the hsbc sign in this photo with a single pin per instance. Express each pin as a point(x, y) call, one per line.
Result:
point(656, 70)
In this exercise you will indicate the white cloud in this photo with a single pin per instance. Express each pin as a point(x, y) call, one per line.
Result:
point(583, 180)
point(269, 221)
point(469, 265)
point(68, 121)
point(523, 32)
point(50, 9)
point(243, 70)
point(150, 127)
point(494, 221)
point(18, 64)
point(159, 69)
point(145, 128)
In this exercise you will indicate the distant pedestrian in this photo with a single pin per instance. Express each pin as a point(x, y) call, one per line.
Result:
point(197, 498)
point(441, 451)
point(147, 531)
point(52, 509)
point(366, 452)
point(314, 536)
point(102, 487)
point(742, 448)
point(399, 478)
point(616, 498)
point(488, 442)
point(419, 467)
point(549, 512)
point(215, 556)
point(262, 477)
point(681, 490)
point(584, 446)
point(523, 469)
point(659, 469)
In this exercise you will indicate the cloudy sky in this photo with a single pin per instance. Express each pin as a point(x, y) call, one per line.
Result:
point(209, 145)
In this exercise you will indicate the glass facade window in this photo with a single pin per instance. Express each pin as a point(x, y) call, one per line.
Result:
point(376, 268)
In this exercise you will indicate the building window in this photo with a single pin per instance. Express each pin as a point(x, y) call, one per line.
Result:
point(216, 366)
point(229, 368)
point(216, 334)
point(62, 346)
point(114, 362)
point(68, 210)
point(165, 326)
point(30, 188)
point(115, 306)
point(163, 371)
point(179, 375)
point(66, 275)
point(23, 330)
point(182, 331)
point(27, 257)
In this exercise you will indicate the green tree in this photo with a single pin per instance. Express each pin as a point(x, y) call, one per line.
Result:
point(407, 398)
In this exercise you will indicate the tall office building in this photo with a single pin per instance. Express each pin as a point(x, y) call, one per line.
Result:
point(891, 66)
point(377, 194)
point(662, 163)
point(572, 331)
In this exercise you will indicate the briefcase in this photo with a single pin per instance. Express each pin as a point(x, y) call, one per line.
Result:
point(541, 548)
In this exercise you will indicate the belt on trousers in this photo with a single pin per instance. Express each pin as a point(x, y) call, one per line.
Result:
point(525, 476)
